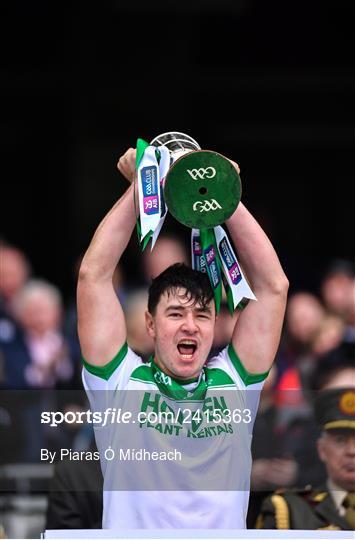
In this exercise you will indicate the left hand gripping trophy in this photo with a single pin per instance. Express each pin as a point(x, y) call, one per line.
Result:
point(201, 189)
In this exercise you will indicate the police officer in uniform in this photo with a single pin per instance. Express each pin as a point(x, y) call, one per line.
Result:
point(332, 506)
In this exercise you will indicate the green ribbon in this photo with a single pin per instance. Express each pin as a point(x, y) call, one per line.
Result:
point(141, 146)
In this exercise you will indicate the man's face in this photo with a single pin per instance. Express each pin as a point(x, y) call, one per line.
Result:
point(337, 451)
point(183, 334)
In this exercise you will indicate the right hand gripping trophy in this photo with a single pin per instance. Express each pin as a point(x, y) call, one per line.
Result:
point(202, 189)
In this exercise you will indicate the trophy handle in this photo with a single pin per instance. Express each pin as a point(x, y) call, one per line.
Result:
point(177, 143)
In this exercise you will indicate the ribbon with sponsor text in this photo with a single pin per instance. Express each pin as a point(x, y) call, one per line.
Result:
point(152, 165)
point(211, 252)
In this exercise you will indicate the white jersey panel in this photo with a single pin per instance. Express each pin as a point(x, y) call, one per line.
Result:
point(175, 510)
point(211, 453)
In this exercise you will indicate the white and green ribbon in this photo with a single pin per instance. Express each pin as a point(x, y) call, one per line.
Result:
point(206, 259)
point(212, 252)
point(236, 285)
point(152, 165)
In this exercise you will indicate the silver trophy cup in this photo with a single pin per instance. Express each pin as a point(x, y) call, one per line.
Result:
point(177, 143)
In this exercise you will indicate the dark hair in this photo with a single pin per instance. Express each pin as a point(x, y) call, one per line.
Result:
point(332, 363)
point(339, 266)
point(178, 276)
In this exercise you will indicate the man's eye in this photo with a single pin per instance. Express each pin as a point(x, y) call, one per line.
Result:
point(175, 314)
point(203, 315)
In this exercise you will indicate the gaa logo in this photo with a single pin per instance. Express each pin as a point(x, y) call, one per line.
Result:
point(162, 378)
point(206, 206)
point(209, 172)
point(347, 403)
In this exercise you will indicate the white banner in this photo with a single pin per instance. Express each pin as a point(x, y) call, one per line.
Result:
point(231, 269)
point(150, 176)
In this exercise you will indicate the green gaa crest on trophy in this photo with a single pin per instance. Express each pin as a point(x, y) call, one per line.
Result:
point(201, 189)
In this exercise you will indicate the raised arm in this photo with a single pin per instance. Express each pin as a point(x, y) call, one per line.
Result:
point(101, 323)
point(257, 332)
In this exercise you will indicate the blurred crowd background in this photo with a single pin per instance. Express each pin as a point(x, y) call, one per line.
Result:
point(270, 85)
point(40, 368)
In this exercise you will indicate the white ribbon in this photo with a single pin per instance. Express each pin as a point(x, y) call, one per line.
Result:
point(231, 268)
point(151, 175)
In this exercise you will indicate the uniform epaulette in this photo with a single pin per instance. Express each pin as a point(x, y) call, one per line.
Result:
point(282, 514)
point(319, 497)
point(314, 497)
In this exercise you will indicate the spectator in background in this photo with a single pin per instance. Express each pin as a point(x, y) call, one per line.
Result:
point(349, 335)
point(14, 273)
point(70, 323)
point(312, 332)
point(75, 496)
point(167, 251)
point(137, 336)
point(304, 316)
point(329, 335)
point(283, 450)
point(36, 357)
point(272, 463)
point(337, 288)
point(331, 505)
point(38, 310)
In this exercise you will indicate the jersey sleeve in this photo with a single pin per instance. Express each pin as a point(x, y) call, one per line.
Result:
point(103, 385)
point(248, 385)
point(229, 361)
point(112, 376)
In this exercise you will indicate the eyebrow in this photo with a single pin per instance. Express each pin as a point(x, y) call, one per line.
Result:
point(178, 307)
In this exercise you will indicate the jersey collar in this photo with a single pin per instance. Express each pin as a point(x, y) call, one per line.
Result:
point(176, 390)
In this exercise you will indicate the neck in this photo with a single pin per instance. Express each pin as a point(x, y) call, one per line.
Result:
point(179, 378)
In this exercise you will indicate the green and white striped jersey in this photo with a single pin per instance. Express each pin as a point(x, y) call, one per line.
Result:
point(182, 459)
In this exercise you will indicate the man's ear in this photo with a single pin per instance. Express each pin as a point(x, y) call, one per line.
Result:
point(149, 322)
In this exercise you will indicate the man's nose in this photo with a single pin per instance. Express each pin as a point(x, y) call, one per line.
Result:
point(350, 447)
point(189, 324)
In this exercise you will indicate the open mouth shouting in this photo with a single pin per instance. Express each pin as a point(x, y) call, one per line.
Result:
point(187, 348)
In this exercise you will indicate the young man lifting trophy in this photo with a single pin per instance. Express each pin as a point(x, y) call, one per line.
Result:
point(182, 458)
